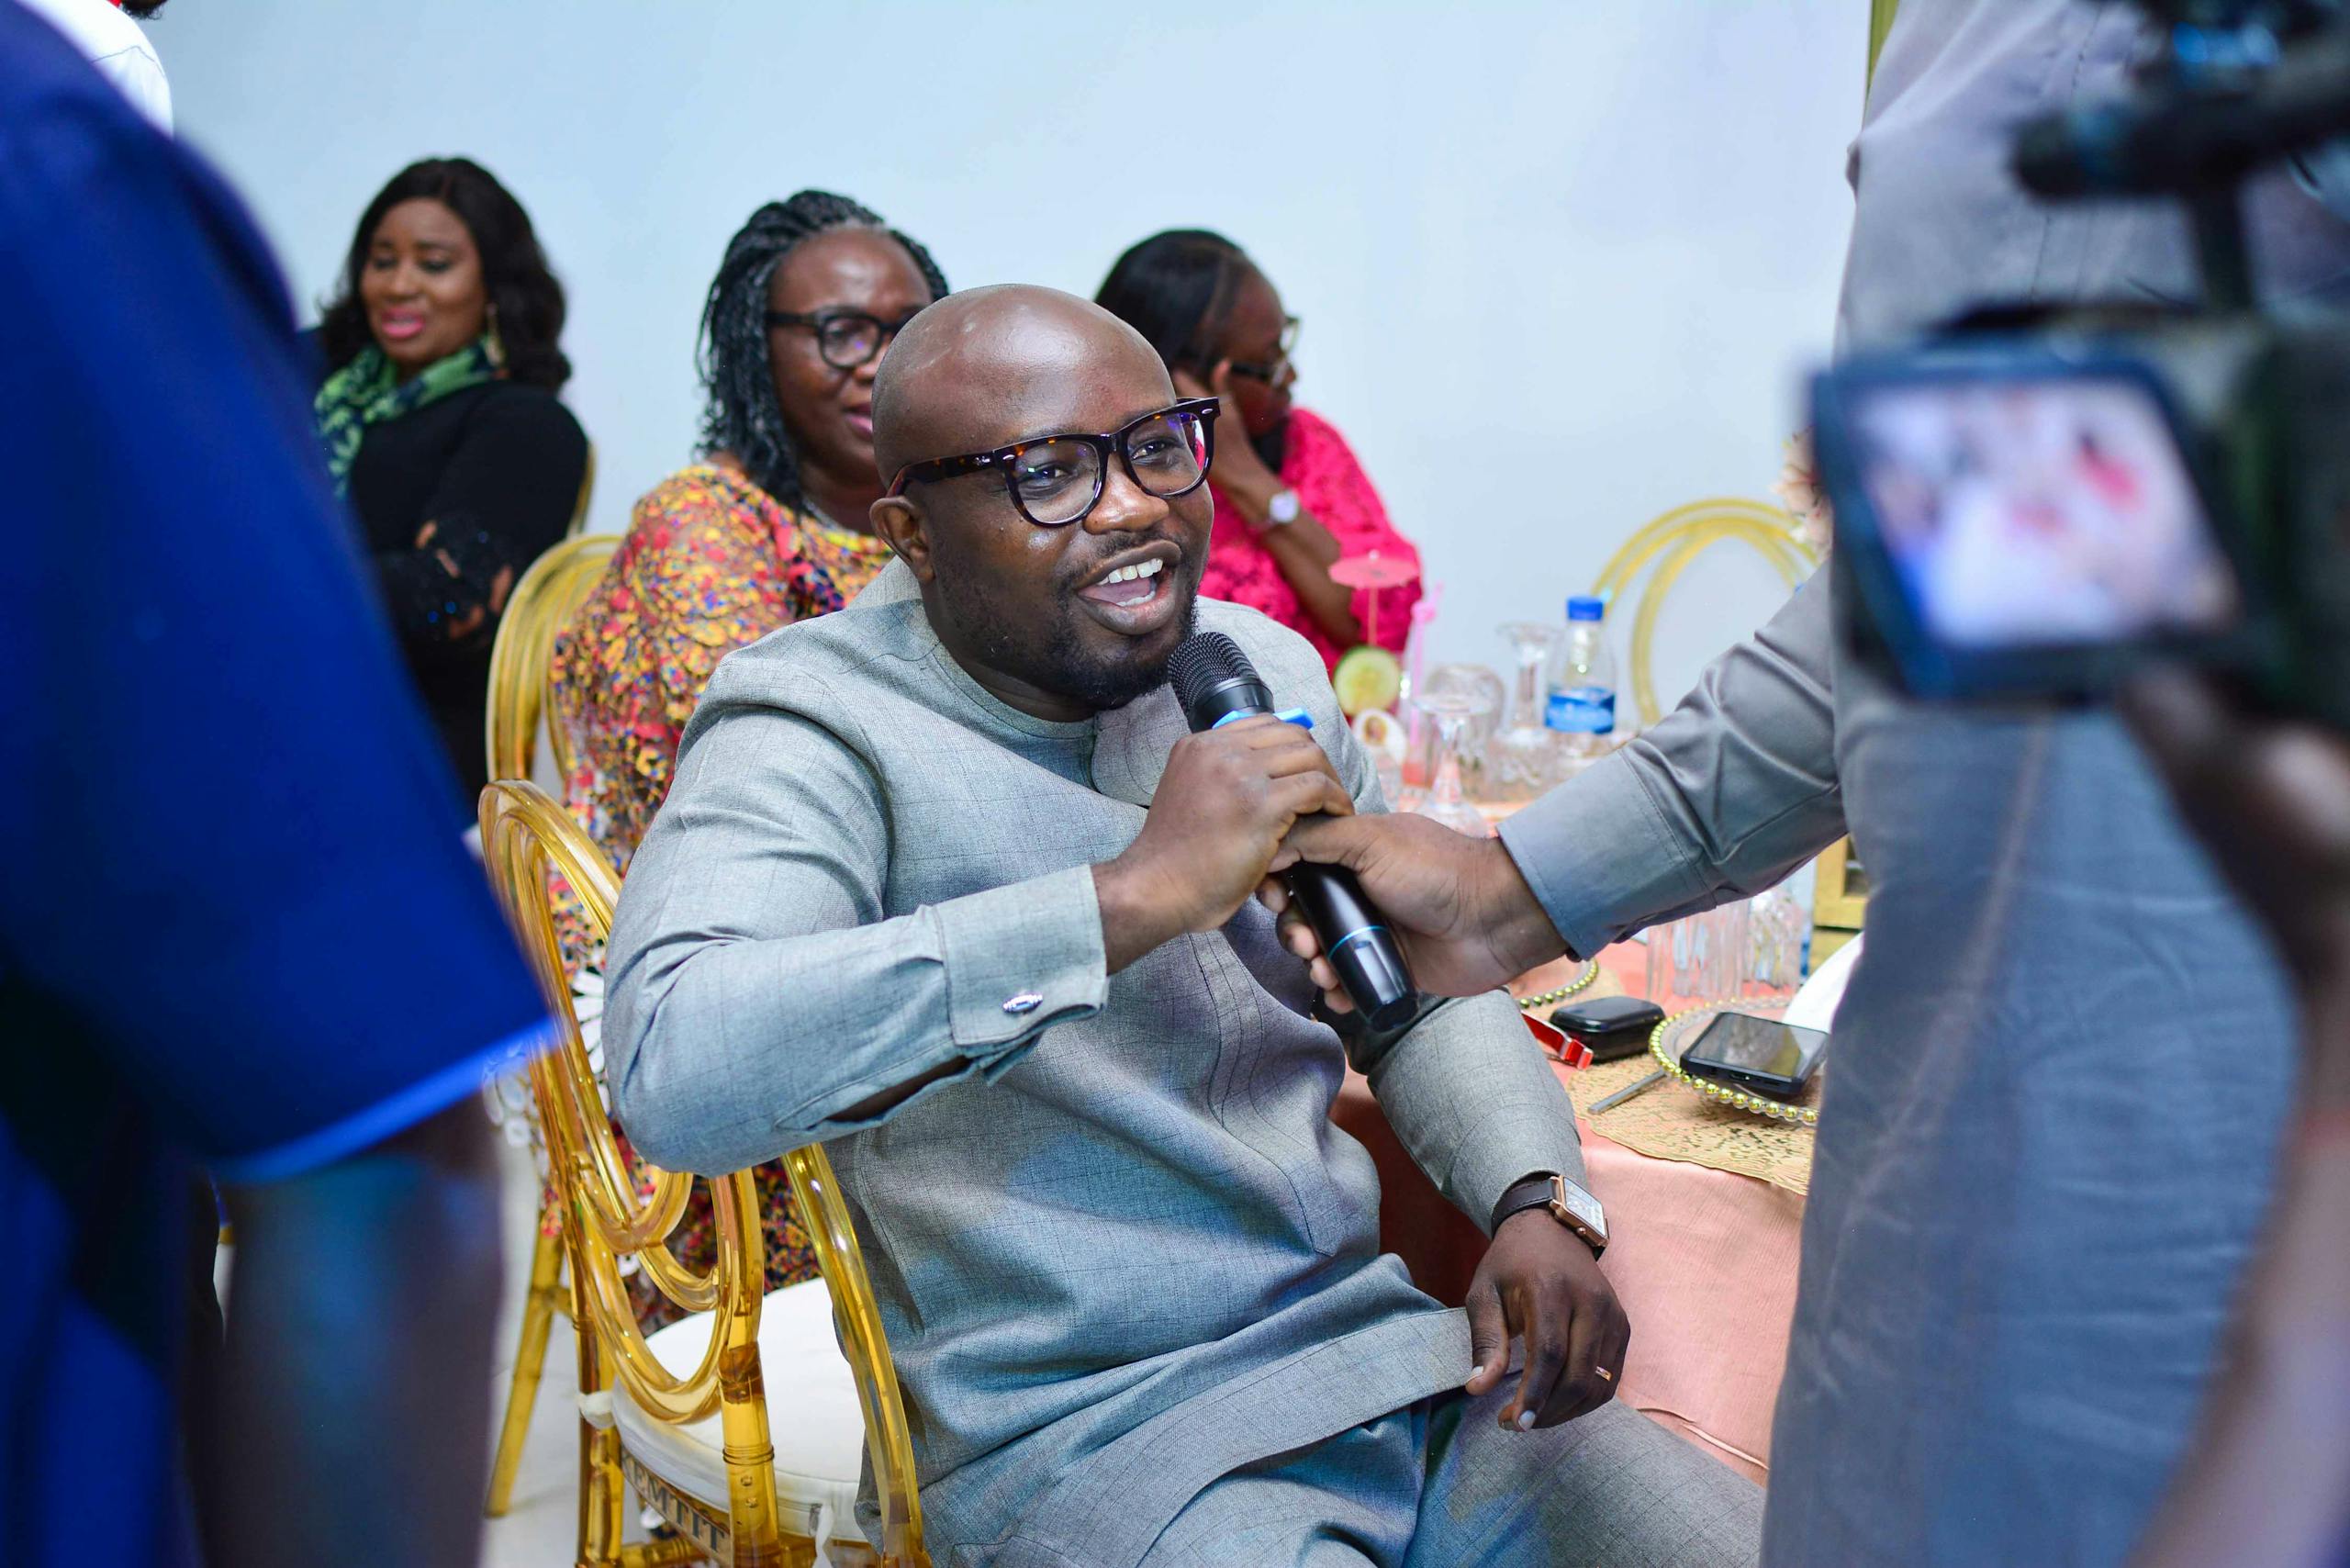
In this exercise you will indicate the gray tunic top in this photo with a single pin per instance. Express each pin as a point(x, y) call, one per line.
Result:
point(2051, 1114)
point(1122, 1251)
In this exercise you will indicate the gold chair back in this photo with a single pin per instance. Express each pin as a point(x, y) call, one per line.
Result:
point(526, 835)
point(549, 595)
point(1839, 900)
point(1669, 543)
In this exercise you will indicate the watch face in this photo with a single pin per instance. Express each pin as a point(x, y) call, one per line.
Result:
point(1583, 1206)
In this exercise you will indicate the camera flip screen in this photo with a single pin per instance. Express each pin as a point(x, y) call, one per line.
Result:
point(2039, 511)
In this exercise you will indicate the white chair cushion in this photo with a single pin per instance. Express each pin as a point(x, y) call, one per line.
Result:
point(813, 1419)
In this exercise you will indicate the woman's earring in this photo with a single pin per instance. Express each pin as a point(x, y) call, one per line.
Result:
point(495, 344)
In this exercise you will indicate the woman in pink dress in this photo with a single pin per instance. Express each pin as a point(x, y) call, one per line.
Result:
point(1290, 499)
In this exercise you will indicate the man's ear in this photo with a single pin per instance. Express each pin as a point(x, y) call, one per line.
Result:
point(900, 521)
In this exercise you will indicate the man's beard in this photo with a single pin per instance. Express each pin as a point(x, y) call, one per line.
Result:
point(1063, 666)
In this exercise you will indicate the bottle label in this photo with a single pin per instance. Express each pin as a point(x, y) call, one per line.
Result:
point(1582, 710)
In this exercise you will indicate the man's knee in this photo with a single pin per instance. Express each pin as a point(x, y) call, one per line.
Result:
point(1611, 1487)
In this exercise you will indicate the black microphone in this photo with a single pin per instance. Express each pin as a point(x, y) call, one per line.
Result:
point(1216, 683)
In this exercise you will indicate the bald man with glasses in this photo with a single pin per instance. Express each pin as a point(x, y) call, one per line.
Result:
point(945, 881)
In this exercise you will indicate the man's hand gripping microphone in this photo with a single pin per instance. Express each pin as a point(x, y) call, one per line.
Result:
point(1216, 684)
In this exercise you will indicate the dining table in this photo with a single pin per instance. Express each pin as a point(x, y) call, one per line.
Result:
point(1704, 1206)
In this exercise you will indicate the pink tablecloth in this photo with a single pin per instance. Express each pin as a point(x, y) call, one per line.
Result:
point(1703, 1260)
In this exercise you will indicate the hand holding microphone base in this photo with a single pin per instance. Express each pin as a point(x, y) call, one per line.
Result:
point(1221, 693)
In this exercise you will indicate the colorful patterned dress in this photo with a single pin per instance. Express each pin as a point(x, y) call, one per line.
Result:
point(1318, 465)
point(712, 561)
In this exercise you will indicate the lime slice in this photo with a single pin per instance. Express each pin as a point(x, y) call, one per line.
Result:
point(1367, 677)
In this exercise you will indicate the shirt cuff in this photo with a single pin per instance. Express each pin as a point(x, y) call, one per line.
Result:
point(388, 1117)
point(1598, 856)
point(1020, 959)
point(1508, 1149)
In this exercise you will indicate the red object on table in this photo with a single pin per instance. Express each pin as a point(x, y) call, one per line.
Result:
point(1558, 1045)
point(1703, 1260)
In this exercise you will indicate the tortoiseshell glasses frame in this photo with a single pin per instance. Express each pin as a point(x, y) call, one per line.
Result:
point(1051, 500)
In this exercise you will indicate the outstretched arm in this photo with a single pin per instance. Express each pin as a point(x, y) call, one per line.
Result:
point(359, 1344)
point(1732, 790)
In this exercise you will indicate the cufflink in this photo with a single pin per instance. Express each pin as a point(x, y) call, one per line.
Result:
point(1026, 1001)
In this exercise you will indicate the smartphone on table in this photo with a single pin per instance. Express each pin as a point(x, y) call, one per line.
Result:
point(1761, 1054)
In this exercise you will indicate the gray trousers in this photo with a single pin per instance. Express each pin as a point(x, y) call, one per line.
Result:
point(1442, 1485)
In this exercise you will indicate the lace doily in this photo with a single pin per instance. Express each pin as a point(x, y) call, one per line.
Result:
point(1673, 1120)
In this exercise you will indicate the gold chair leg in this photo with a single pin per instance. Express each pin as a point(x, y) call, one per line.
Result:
point(661, 1553)
point(603, 1494)
point(530, 1360)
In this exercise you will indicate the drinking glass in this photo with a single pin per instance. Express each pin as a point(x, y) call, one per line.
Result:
point(1453, 711)
point(1701, 958)
point(1471, 680)
point(1525, 756)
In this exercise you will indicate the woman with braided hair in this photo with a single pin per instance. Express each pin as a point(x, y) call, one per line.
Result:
point(769, 528)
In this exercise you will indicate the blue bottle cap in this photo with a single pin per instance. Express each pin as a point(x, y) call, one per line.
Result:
point(1585, 607)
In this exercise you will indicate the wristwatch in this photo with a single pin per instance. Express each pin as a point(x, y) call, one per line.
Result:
point(1283, 508)
point(1568, 1203)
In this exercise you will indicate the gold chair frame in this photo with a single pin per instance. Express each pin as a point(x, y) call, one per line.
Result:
point(1839, 900)
point(1674, 540)
point(526, 835)
point(549, 594)
point(1669, 543)
point(586, 494)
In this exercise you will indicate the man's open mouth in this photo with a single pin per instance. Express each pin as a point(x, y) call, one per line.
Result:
point(1136, 597)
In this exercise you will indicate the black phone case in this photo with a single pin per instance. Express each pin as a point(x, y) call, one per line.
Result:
point(1769, 1086)
point(1613, 1028)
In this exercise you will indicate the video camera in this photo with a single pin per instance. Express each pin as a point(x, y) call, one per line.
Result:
point(2034, 503)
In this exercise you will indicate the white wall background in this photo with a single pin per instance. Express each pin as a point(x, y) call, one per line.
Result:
point(1560, 261)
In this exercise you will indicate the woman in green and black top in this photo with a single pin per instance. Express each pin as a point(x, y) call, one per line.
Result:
point(441, 423)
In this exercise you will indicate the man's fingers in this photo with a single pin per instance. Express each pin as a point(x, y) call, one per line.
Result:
point(1546, 1335)
point(1335, 841)
point(1302, 794)
point(1273, 896)
point(1488, 1340)
point(1286, 745)
point(1298, 936)
point(1581, 1389)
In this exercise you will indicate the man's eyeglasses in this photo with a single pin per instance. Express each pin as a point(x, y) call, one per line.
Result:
point(847, 338)
point(1055, 480)
point(1265, 370)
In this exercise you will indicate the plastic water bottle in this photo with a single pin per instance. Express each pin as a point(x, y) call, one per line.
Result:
point(1582, 681)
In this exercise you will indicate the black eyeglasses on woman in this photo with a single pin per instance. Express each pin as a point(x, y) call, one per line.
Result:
point(847, 338)
point(1055, 480)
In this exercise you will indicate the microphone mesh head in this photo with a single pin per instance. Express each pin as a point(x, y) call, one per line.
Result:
point(1202, 661)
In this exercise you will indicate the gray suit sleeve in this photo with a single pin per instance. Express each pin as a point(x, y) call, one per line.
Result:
point(1727, 794)
point(755, 990)
point(1464, 1087)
